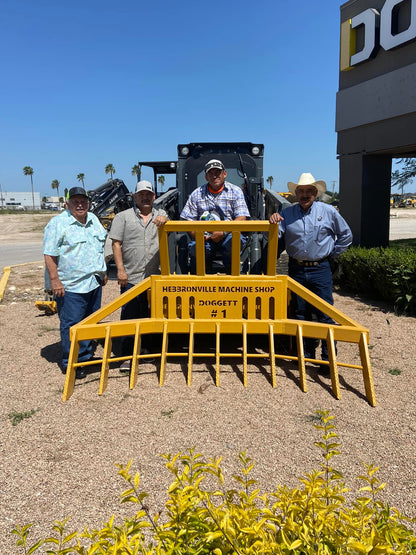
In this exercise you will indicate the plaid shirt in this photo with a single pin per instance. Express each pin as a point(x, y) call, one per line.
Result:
point(229, 204)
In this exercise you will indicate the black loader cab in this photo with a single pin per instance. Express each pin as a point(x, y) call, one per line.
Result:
point(244, 165)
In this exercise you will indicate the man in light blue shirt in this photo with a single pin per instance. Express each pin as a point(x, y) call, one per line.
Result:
point(73, 248)
point(314, 233)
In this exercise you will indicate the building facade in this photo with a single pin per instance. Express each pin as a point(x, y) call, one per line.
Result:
point(20, 201)
point(376, 109)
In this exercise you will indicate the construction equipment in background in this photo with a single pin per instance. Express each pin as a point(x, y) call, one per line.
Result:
point(220, 305)
point(408, 202)
point(48, 306)
point(109, 199)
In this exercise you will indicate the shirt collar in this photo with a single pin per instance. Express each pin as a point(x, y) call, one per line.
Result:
point(225, 188)
point(75, 221)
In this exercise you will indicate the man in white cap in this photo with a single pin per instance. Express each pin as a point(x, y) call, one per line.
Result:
point(135, 246)
point(314, 233)
point(220, 200)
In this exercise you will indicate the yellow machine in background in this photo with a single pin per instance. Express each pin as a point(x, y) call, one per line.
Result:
point(219, 305)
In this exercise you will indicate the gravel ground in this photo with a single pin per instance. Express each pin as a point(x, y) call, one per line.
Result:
point(60, 460)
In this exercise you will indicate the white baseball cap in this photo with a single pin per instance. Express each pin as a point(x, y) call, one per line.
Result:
point(144, 186)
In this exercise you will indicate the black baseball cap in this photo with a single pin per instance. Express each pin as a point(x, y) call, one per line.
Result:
point(77, 191)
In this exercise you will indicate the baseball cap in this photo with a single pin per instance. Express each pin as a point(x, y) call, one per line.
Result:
point(144, 186)
point(214, 164)
point(77, 191)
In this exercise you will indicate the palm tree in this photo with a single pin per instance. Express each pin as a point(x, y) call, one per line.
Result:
point(55, 185)
point(270, 180)
point(27, 170)
point(81, 177)
point(161, 180)
point(110, 169)
point(135, 170)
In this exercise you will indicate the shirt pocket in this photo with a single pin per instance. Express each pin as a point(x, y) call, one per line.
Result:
point(74, 238)
point(98, 240)
point(321, 232)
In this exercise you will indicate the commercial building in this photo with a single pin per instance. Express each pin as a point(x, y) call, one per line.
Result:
point(376, 109)
point(19, 201)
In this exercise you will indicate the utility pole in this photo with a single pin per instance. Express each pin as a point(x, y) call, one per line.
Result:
point(1, 197)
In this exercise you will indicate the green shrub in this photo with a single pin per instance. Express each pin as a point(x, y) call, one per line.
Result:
point(388, 274)
point(202, 517)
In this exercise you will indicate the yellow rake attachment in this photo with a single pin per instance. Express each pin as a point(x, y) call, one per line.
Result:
point(219, 305)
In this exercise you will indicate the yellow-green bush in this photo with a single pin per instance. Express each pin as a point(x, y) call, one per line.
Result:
point(203, 517)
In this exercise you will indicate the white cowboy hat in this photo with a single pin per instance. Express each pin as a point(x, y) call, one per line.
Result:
point(307, 179)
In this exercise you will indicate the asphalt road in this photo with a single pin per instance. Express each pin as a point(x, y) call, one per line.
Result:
point(18, 253)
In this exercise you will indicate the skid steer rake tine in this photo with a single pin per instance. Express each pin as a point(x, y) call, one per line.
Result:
point(301, 359)
point(272, 355)
point(367, 375)
point(190, 352)
point(163, 357)
point(70, 371)
point(105, 364)
point(217, 356)
point(245, 354)
point(134, 370)
point(333, 366)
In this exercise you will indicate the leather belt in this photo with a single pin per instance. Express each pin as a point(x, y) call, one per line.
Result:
point(308, 263)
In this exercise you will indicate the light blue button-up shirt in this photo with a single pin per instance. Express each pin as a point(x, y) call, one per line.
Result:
point(318, 233)
point(79, 248)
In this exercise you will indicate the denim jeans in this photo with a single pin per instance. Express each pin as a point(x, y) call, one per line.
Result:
point(72, 308)
point(223, 248)
point(136, 308)
point(317, 279)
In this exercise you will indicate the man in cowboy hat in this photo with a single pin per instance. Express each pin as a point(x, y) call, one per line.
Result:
point(314, 233)
point(215, 200)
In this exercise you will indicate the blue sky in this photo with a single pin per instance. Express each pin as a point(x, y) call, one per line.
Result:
point(88, 83)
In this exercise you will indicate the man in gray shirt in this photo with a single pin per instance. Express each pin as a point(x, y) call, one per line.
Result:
point(135, 245)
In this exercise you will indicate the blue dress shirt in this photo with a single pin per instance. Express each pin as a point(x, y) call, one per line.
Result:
point(316, 234)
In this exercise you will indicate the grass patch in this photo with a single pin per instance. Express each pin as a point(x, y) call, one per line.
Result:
point(46, 329)
point(403, 243)
point(16, 417)
point(395, 371)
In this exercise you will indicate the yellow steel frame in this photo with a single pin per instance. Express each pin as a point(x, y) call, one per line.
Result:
point(219, 305)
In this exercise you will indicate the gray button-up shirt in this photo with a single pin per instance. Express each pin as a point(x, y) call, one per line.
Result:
point(140, 243)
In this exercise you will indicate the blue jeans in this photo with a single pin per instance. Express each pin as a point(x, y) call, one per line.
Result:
point(72, 308)
point(136, 308)
point(223, 248)
point(317, 279)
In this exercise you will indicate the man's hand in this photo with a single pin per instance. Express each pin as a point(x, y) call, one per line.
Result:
point(57, 287)
point(159, 221)
point(217, 236)
point(275, 218)
point(122, 278)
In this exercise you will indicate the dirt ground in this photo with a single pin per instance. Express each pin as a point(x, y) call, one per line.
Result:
point(58, 459)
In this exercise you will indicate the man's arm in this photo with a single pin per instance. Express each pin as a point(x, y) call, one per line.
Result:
point(344, 235)
point(51, 263)
point(118, 259)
